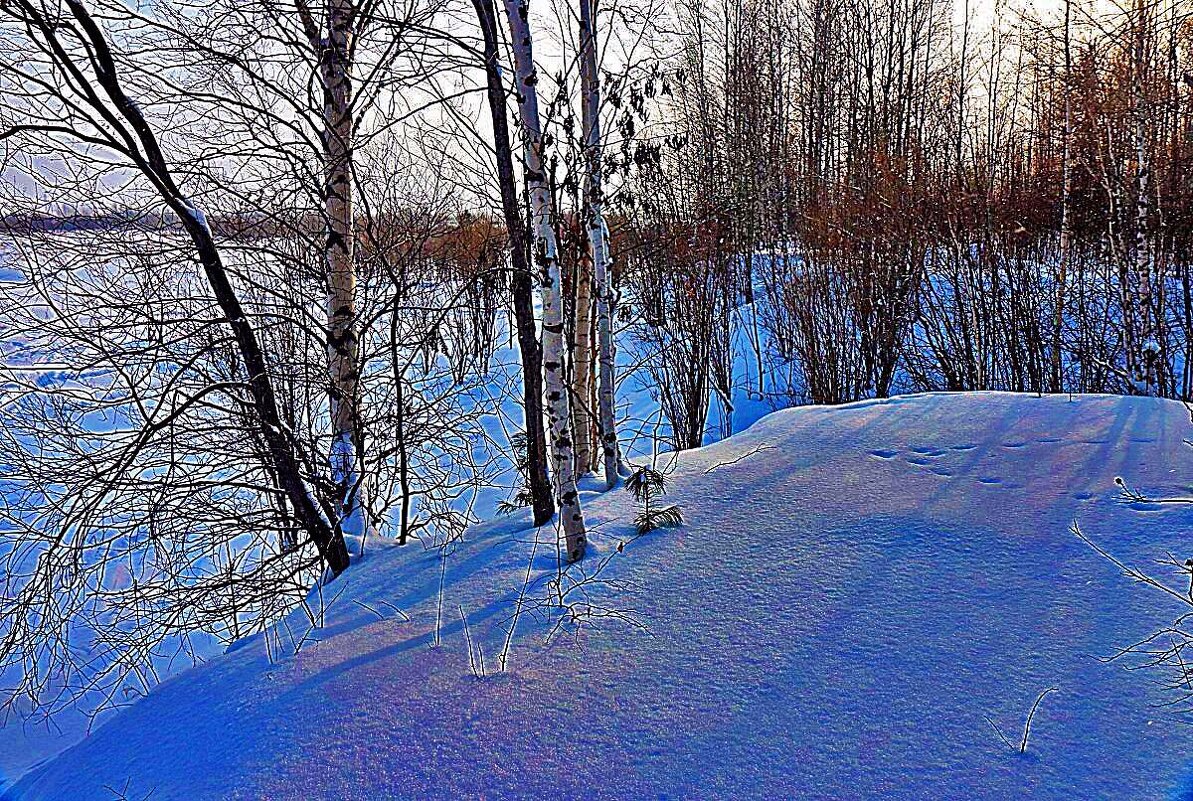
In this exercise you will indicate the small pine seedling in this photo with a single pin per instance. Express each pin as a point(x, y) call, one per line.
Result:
point(522, 499)
point(645, 484)
point(521, 455)
point(667, 517)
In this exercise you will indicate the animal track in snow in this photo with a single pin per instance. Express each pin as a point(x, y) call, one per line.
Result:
point(934, 452)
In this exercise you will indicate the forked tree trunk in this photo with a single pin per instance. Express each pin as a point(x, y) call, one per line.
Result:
point(521, 285)
point(546, 256)
point(598, 240)
point(336, 72)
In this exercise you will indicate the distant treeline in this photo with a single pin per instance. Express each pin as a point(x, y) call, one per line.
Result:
point(248, 225)
point(49, 223)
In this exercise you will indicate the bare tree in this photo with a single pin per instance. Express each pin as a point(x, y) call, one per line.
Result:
point(598, 239)
point(93, 91)
point(335, 46)
point(547, 261)
point(538, 480)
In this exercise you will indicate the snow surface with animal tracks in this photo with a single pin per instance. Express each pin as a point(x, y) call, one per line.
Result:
point(854, 591)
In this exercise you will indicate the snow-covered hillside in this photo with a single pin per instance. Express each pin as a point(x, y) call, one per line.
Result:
point(855, 590)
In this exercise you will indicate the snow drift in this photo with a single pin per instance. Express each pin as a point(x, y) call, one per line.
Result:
point(855, 591)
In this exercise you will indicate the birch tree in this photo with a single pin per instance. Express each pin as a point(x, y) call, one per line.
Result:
point(538, 480)
point(1066, 200)
point(335, 48)
point(546, 256)
point(165, 507)
point(583, 365)
point(1147, 378)
point(598, 240)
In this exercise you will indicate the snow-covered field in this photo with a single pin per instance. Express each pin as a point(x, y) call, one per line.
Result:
point(855, 590)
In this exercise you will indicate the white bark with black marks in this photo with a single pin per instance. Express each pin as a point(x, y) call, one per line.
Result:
point(538, 482)
point(546, 258)
point(1147, 376)
point(598, 240)
point(335, 72)
point(583, 369)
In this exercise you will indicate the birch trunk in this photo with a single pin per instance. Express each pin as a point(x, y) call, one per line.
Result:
point(598, 241)
point(335, 69)
point(1147, 378)
point(546, 256)
point(1147, 382)
point(1066, 216)
point(521, 282)
point(582, 372)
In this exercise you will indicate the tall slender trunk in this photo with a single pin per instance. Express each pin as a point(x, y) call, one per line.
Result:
point(1148, 379)
point(546, 255)
point(583, 364)
point(521, 285)
point(1187, 298)
point(335, 67)
point(1066, 215)
point(598, 242)
point(962, 86)
point(399, 378)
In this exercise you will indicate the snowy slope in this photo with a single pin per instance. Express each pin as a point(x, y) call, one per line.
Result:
point(855, 589)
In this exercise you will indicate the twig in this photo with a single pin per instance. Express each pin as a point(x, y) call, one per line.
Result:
point(1127, 570)
point(1135, 496)
point(1032, 714)
point(509, 635)
point(998, 731)
point(475, 664)
point(439, 604)
point(405, 616)
point(366, 606)
point(1022, 747)
point(746, 455)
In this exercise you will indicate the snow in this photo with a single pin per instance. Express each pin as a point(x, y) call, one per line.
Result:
point(855, 590)
point(197, 214)
point(344, 474)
